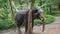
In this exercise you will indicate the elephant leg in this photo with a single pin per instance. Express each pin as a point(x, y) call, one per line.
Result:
point(26, 24)
point(17, 27)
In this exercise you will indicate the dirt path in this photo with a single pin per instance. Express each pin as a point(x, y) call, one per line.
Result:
point(53, 28)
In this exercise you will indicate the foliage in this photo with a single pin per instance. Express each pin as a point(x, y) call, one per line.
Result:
point(8, 23)
point(4, 3)
point(48, 19)
point(4, 24)
point(56, 12)
point(48, 6)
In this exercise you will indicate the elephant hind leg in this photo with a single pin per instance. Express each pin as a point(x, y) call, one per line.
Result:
point(18, 30)
point(17, 27)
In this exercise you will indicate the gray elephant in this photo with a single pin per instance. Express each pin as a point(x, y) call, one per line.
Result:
point(21, 17)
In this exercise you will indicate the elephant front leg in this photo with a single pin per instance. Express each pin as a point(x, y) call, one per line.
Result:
point(26, 24)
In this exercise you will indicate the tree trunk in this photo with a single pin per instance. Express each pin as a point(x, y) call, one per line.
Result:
point(30, 18)
point(50, 10)
point(59, 5)
point(11, 9)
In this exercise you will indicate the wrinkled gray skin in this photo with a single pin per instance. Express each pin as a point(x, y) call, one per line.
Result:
point(22, 17)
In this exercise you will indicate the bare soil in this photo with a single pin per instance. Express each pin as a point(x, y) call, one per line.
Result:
point(53, 28)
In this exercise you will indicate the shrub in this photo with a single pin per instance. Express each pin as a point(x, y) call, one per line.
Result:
point(55, 12)
point(48, 19)
point(5, 24)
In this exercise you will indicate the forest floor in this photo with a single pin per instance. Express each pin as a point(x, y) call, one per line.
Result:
point(53, 28)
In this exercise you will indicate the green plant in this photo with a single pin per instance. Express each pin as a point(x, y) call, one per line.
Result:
point(8, 23)
point(4, 24)
point(48, 19)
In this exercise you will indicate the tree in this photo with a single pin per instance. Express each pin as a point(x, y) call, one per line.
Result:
point(30, 18)
point(11, 9)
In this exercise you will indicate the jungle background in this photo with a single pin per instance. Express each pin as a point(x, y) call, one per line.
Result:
point(50, 8)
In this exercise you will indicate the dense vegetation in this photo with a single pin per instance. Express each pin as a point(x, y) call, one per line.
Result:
point(49, 7)
point(8, 23)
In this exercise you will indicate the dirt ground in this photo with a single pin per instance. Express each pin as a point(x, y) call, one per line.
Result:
point(53, 28)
